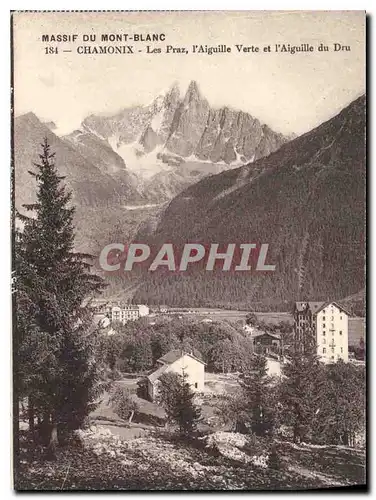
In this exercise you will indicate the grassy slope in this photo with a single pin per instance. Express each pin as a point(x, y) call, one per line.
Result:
point(159, 463)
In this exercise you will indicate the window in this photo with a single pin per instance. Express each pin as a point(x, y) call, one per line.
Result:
point(341, 350)
point(332, 349)
point(340, 332)
point(323, 332)
point(340, 317)
point(323, 325)
point(323, 350)
point(323, 311)
point(332, 357)
point(323, 318)
point(323, 341)
point(196, 385)
point(332, 318)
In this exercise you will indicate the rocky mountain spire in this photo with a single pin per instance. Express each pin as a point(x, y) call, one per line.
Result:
point(189, 122)
point(187, 125)
point(193, 93)
point(172, 95)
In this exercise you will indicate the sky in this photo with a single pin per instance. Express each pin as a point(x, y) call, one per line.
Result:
point(291, 93)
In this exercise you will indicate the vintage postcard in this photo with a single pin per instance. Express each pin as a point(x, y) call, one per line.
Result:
point(189, 238)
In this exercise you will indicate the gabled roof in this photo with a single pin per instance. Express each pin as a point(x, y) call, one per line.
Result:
point(174, 355)
point(340, 306)
point(171, 356)
point(313, 306)
point(167, 360)
point(274, 335)
point(155, 375)
point(316, 307)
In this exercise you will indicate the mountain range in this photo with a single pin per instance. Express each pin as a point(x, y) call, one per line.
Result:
point(97, 196)
point(167, 172)
point(306, 200)
point(174, 141)
point(123, 168)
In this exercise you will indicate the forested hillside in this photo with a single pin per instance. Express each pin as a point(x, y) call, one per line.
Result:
point(307, 201)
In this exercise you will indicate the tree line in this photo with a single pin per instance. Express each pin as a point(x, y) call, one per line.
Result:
point(311, 402)
point(137, 345)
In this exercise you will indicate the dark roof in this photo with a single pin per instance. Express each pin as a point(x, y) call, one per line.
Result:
point(174, 355)
point(274, 335)
point(155, 375)
point(313, 306)
point(340, 306)
point(167, 360)
point(316, 307)
point(171, 356)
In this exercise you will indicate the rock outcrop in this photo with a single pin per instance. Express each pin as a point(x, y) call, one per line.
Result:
point(189, 126)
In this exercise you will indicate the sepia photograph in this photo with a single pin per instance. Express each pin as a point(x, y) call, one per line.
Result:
point(189, 250)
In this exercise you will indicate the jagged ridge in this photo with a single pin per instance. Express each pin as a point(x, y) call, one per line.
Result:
point(189, 126)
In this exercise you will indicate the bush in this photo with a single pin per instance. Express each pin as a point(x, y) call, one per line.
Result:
point(251, 319)
point(122, 403)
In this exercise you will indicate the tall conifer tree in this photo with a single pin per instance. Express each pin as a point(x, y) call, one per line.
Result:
point(256, 391)
point(301, 391)
point(177, 397)
point(53, 282)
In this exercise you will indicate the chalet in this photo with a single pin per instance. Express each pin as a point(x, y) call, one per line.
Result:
point(178, 361)
point(324, 324)
point(267, 343)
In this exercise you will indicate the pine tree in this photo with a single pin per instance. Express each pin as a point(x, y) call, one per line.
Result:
point(176, 395)
point(301, 392)
point(256, 392)
point(251, 319)
point(52, 284)
point(32, 346)
point(342, 413)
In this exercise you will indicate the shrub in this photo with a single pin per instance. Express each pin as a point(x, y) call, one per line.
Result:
point(122, 403)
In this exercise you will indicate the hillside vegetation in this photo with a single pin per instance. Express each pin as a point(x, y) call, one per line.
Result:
point(306, 200)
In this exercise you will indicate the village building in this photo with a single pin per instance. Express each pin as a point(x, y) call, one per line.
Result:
point(326, 325)
point(267, 343)
point(124, 313)
point(178, 361)
point(107, 312)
